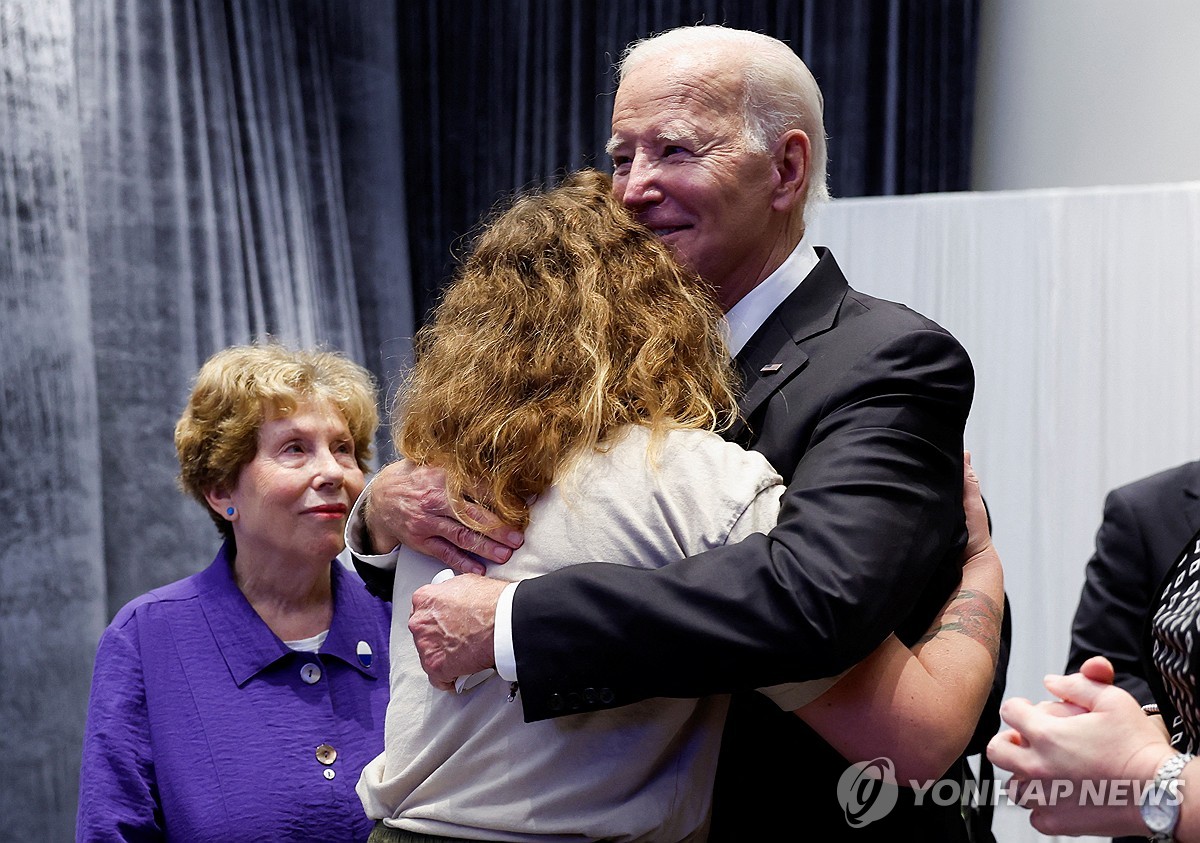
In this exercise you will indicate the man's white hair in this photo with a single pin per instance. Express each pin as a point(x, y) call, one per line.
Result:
point(780, 92)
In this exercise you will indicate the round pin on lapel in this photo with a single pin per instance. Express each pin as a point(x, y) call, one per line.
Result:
point(365, 656)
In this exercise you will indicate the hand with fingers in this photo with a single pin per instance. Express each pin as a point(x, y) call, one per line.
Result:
point(452, 625)
point(407, 504)
point(1093, 733)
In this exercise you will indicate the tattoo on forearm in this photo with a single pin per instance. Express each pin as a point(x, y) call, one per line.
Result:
point(975, 615)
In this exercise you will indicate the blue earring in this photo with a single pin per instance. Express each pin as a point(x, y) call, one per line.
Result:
point(230, 511)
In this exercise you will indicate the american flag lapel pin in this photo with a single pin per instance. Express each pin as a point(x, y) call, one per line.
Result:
point(770, 368)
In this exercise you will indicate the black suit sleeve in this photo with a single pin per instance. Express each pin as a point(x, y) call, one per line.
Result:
point(1116, 598)
point(378, 581)
point(871, 527)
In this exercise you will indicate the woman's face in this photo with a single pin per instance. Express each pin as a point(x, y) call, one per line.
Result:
point(293, 498)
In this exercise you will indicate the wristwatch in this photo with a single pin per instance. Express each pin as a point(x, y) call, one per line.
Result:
point(1159, 804)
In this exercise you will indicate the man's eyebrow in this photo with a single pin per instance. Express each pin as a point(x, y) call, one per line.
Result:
point(675, 132)
point(679, 131)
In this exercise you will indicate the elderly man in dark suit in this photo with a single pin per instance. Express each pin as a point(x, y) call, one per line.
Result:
point(1145, 526)
point(718, 146)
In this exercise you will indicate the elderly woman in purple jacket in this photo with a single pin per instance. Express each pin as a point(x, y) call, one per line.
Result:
point(243, 702)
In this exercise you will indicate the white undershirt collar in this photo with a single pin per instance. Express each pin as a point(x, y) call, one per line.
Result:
point(749, 314)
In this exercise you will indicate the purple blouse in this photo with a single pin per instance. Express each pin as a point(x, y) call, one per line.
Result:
point(202, 725)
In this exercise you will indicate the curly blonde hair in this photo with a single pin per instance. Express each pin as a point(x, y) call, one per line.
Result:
point(240, 387)
point(567, 321)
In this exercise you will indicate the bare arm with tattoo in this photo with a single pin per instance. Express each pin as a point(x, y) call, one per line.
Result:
point(919, 706)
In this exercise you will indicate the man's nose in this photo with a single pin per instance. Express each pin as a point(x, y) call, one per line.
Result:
point(640, 186)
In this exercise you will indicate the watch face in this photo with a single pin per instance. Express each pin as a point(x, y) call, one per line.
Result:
point(1159, 808)
point(1157, 817)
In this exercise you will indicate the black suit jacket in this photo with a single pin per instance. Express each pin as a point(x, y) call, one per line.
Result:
point(1145, 525)
point(860, 404)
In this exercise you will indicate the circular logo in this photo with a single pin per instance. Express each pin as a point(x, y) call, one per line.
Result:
point(867, 791)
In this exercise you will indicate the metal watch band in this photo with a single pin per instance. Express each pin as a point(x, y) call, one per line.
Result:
point(1167, 773)
point(1172, 767)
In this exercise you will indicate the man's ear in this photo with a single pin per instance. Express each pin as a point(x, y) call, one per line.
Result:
point(791, 159)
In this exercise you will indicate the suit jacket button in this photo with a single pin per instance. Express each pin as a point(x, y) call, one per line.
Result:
point(555, 702)
point(590, 696)
point(573, 701)
point(607, 696)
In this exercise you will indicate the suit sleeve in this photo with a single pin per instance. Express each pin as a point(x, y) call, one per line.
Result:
point(1116, 598)
point(378, 571)
point(871, 526)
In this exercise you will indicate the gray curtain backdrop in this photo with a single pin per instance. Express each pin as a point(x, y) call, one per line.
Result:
point(175, 176)
point(179, 175)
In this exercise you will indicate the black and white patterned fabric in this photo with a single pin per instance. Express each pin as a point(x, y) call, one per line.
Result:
point(1172, 636)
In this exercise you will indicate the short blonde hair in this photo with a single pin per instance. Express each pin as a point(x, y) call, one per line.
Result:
point(239, 387)
point(567, 321)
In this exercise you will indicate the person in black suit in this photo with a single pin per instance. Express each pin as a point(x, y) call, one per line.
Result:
point(1145, 524)
point(718, 146)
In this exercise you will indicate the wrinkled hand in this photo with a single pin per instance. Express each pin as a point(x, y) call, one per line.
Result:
point(452, 624)
point(407, 504)
point(1094, 732)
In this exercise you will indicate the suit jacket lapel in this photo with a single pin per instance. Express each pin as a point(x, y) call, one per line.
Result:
point(773, 355)
point(1191, 498)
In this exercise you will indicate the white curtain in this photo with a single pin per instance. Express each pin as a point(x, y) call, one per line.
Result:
point(1080, 309)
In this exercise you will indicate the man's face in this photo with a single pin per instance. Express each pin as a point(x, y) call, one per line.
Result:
point(682, 166)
